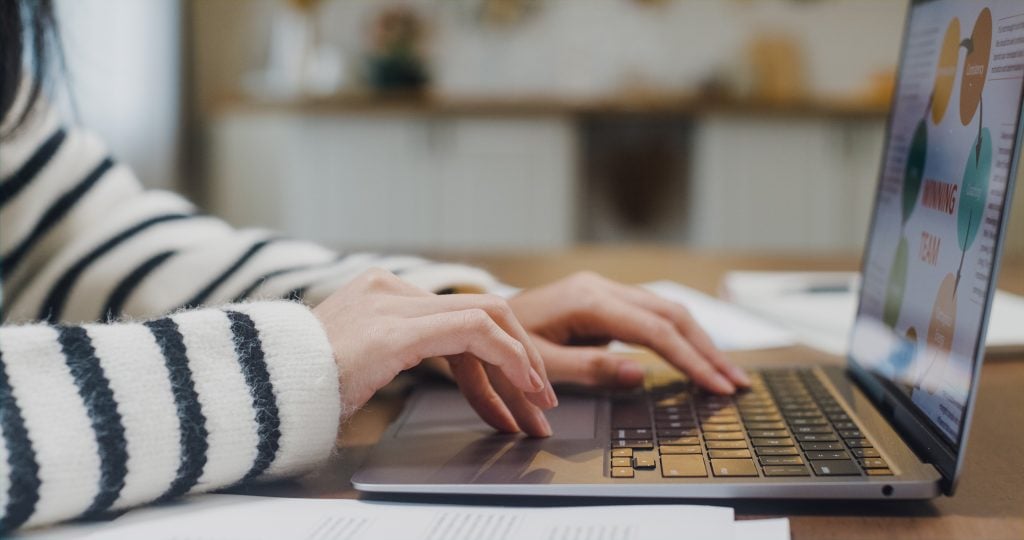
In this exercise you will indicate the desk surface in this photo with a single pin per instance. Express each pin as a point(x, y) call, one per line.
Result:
point(988, 504)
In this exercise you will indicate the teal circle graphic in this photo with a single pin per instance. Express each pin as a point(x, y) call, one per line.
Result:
point(974, 190)
point(915, 168)
point(897, 284)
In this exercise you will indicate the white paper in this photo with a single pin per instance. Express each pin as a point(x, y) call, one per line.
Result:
point(824, 320)
point(762, 529)
point(256, 518)
point(731, 328)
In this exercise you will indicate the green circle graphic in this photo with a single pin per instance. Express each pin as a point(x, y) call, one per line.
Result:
point(915, 169)
point(897, 284)
point(974, 190)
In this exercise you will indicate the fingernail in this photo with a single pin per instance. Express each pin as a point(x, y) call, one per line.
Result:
point(630, 372)
point(552, 398)
point(740, 375)
point(545, 425)
point(536, 381)
point(722, 384)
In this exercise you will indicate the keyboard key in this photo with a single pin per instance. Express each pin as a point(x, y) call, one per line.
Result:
point(636, 444)
point(622, 462)
point(764, 409)
point(630, 413)
point(632, 433)
point(721, 427)
point(841, 426)
point(851, 434)
point(726, 445)
point(622, 472)
point(733, 467)
point(835, 468)
point(678, 450)
point(781, 460)
point(879, 472)
point(673, 432)
point(672, 401)
point(681, 466)
point(874, 463)
point(679, 441)
point(819, 421)
point(724, 436)
point(865, 452)
point(804, 414)
point(622, 452)
point(768, 433)
point(720, 419)
point(643, 461)
point(687, 424)
point(822, 446)
point(763, 418)
point(817, 437)
point(828, 455)
point(671, 409)
point(765, 425)
point(663, 418)
point(777, 451)
point(858, 443)
point(772, 442)
point(728, 454)
point(785, 470)
point(839, 417)
point(812, 429)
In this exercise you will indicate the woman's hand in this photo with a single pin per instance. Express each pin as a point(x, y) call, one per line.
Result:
point(588, 309)
point(379, 326)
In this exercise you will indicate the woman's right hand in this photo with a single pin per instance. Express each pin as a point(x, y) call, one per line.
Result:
point(379, 326)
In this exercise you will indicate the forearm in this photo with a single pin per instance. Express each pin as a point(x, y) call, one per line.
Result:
point(102, 417)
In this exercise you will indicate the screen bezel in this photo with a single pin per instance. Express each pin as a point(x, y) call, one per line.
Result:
point(895, 405)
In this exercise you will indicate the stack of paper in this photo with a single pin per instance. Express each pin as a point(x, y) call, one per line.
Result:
point(224, 517)
point(819, 307)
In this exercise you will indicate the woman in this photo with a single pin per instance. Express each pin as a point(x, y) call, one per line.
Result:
point(107, 402)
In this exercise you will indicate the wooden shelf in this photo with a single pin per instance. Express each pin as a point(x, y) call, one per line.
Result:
point(661, 105)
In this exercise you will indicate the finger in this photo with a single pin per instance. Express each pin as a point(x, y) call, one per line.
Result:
point(687, 325)
point(589, 366)
point(529, 417)
point(471, 331)
point(633, 324)
point(472, 381)
point(499, 310)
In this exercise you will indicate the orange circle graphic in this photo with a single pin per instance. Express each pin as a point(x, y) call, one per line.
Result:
point(979, 48)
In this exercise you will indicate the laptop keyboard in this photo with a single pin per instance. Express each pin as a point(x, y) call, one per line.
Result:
point(786, 425)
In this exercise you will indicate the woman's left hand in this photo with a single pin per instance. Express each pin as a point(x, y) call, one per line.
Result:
point(569, 317)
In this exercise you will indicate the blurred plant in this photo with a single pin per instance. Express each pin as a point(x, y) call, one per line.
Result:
point(396, 61)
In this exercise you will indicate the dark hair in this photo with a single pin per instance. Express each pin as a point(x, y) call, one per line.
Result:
point(20, 21)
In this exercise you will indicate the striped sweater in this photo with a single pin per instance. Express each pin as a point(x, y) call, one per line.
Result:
point(148, 350)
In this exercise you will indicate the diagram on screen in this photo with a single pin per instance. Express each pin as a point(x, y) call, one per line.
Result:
point(968, 197)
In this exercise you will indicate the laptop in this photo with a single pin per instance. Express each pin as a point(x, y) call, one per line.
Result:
point(893, 422)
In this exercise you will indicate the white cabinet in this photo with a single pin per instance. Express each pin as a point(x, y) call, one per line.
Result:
point(391, 180)
point(777, 184)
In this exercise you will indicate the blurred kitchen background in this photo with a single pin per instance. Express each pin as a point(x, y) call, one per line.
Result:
point(502, 125)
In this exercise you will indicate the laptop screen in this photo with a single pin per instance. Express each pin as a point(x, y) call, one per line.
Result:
point(940, 206)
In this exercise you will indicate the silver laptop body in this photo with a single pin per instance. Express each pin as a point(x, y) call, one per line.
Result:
point(907, 391)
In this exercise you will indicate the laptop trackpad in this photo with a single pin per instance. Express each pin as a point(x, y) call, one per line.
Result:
point(444, 411)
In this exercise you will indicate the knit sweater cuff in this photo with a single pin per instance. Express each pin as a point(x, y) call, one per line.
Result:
point(447, 277)
point(304, 377)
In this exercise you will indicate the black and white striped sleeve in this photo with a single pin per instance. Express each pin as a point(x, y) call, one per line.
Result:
point(99, 411)
point(81, 240)
point(107, 416)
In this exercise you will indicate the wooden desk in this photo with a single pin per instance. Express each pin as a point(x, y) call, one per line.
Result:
point(988, 504)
